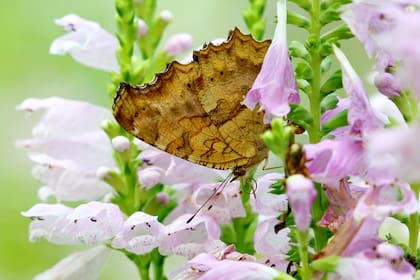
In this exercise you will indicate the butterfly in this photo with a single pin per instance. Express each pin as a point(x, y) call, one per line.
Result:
point(194, 111)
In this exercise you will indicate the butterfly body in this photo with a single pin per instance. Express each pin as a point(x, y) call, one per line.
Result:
point(194, 110)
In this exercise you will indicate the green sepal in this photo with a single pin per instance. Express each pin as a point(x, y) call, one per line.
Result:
point(297, 19)
point(111, 128)
point(157, 64)
point(326, 48)
point(340, 32)
point(258, 29)
point(300, 116)
point(297, 49)
point(127, 32)
point(329, 102)
point(312, 43)
point(145, 9)
point(326, 64)
point(150, 41)
point(116, 182)
point(333, 83)
point(152, 206)
point(303, 71)
point(304, 4)
point(278, 138)
point(331, 14)
point(253, 17)
point(327, 264)
point(407, 104)
point(304, 86)
point(337, 121)
point(283, 276)
point(325, 4)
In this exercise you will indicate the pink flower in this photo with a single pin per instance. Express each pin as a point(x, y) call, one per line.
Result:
point(68, 147)
point(386, 200)
point(362, 117)
point(140, 234)
point(87, 43)
point(384, 81)
point(401, 43)
point(199, 265)
point(366, 19)
point(270, 242)
point(342, 200)
point(397, 157)
point(86, 265)
point(301, 194)
point(329, 161)
point(224, 206)
point(266, 203)
point(237, 270)
point(92, 223)
point(384, 262)
point(171, 170)
point(48, 221)
point(189, 239)
point(275, 86)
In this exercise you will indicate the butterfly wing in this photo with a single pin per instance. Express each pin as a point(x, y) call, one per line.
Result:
point(194, 111)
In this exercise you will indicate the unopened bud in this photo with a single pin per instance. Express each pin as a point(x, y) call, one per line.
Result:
point(166, 16)
point(178, 44)
point(120, 143)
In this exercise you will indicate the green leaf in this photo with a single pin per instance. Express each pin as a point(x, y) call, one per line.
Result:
point(333, 83)
point(300, 116)
point(337, 121)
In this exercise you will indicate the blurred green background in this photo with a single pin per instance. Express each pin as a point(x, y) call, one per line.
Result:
point(27, 70)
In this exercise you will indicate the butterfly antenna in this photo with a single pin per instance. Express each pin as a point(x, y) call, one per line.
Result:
point(215, 192)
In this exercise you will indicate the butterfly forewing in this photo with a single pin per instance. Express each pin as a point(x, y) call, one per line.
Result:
point(194, 111)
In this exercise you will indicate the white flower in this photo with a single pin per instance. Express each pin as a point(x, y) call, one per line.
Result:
point(87, 43)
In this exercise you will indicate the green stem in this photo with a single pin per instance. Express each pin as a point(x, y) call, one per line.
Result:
point(315, 62)
point(315, 98)
point(413, 226)
point(127, 30)
point(158, 263)
point(318, 209)
point(305, 271)
point(142, 263)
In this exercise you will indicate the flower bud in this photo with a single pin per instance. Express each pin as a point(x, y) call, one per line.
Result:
point(178, 44)
point(301, 194)
point(387, 84)
point(120, 143)
point(166, 16)
point(142, 28)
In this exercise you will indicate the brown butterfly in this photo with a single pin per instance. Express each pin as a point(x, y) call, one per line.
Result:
point(194, 111)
